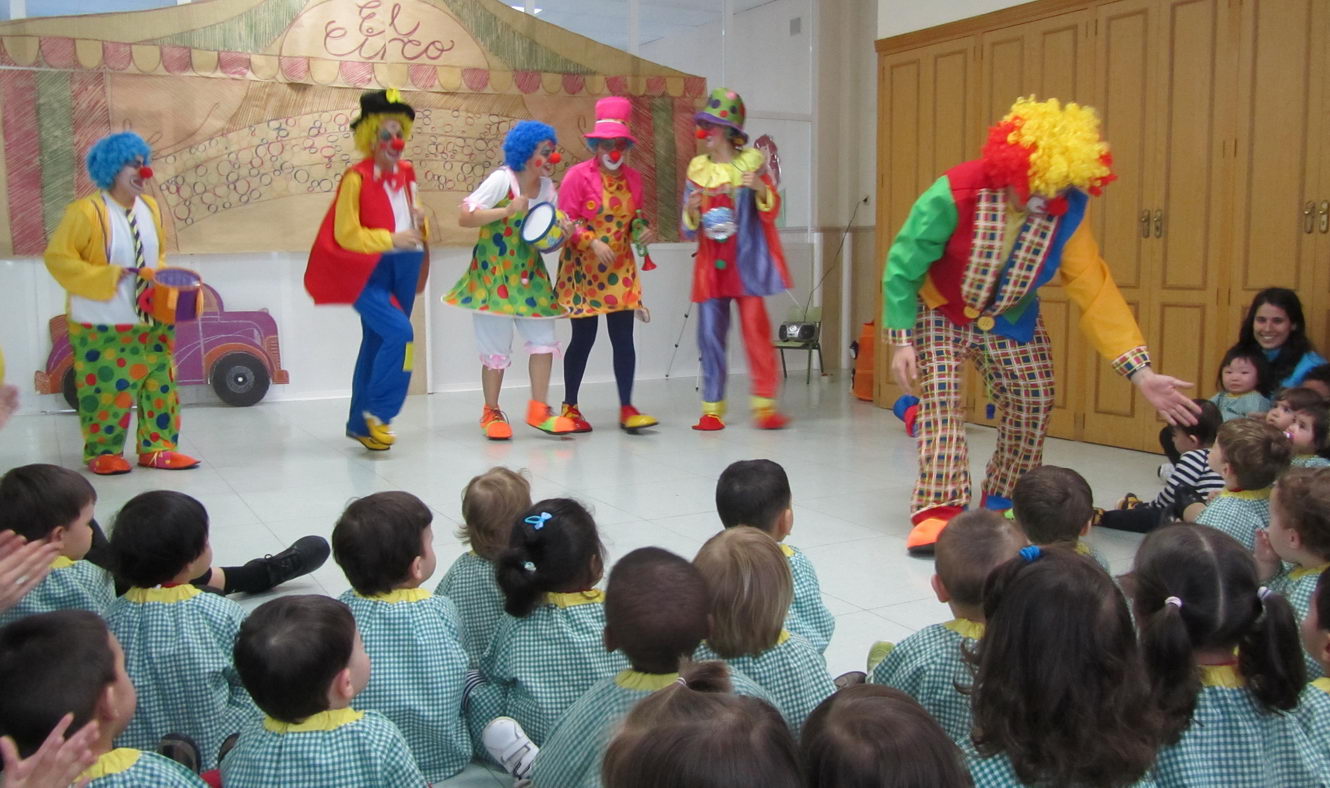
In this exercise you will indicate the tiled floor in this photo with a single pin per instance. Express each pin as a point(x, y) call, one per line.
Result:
point(277, 471)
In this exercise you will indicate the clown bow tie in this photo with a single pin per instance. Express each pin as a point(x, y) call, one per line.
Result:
point(395, 179)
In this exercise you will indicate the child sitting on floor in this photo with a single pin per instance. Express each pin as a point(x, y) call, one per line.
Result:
point(748, 579)
point(1059, 694)
point(67, 662)
point(931, 664)
point(385, 544)
point(1244, 384)
point(1295, 549)
point(1314, 703)
point(303, 662)
point(1222, 658)
point(178, 640)
point(1288, 402)
point(1054, 506)
point(881, 737)
point(1307, 433)
point(491, 503)
point(757, 493)
point(656, 638)
point(53, 504)
point(1191, 481)
point(550, 648)
point(1249, 455)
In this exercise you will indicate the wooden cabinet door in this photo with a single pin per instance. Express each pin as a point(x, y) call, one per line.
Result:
point(1281, 150)
point(927, 103)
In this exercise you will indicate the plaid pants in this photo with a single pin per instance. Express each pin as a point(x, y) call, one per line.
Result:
point(1019, 378)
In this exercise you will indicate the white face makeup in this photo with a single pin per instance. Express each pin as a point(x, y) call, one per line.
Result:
point(130, 180)
point(612, 153)
point(391, 143)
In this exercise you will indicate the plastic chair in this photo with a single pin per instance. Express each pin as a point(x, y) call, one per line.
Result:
point(797, 315)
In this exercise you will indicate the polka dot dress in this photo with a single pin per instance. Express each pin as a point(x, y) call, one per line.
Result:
point(589, 287)
point(506, 276)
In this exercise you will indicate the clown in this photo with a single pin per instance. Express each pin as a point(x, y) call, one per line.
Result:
point(597, 271)
point(730, 197)
point(961, 282)
point(368, 253)
point(506, 286)
point(122, 355)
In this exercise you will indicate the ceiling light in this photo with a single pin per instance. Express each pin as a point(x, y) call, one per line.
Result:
point(522, 8)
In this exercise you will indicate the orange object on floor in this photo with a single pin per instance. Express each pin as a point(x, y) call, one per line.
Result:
point(108, 465)
point(863, 363)
point(168, 461)
point(495, 425)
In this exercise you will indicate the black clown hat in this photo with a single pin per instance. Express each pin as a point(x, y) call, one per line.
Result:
point(383, 102)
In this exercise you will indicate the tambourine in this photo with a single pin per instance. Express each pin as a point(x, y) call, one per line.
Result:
point(175, 295)
point(718, 223)
point(543, 227)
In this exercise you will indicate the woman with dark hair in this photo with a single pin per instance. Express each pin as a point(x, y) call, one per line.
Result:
point(1275, 325)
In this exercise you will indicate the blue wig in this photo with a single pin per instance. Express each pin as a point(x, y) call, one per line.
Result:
point(110, 154)
point(522, 141)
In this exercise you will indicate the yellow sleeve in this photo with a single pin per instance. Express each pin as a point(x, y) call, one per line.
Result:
point(349, 233)
point(1105, 317)
point(66, 258)
point(771, 201)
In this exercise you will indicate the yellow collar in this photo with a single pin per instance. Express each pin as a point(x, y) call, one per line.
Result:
point(711, 175)
point(329, 720)
point(573, 598)
point(974, 630)
point(645, 682)
point(113, 762)
point(398, 595)
point(164, 596)
point(1221, 676)
point(787, 550)
point(784, 636)
point(1303, 571)
point(1247, 495)
point(1322, 684)
point(61, 562)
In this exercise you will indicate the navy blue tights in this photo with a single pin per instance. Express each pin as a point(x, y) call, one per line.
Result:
point(620, 326)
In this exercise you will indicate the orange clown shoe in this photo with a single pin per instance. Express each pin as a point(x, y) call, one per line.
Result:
point(109, 465)
point(167, 460)
point(495, 424)
point(541, 416)
point(928, 526)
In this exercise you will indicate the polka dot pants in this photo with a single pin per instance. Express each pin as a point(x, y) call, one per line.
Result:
point(116, 367)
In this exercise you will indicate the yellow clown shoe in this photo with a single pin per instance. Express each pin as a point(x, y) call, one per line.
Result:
point(378, 430)
point(368, 442)
point(631, 420)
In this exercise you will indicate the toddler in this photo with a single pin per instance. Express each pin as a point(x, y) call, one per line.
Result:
point(491, 503)
point(384, 544)
point(1054, 506)
point(748, 579)
point(931, 664)
point(1307, 433)
point(757, 493)
point(1288, 402)
point(1249, 455)
point(178, 640)
point(550, 648)
point(303, 662)
point(1295, 549)
point(1244, 383)
point(67, 662)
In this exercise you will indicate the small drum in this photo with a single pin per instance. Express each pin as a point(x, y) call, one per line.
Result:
point(718, 223)
point(543, 227)
point(175, 295)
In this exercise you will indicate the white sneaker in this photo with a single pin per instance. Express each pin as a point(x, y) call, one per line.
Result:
point(1165, 471)
point(508, 744)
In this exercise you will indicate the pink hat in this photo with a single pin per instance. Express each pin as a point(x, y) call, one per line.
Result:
point(612, 115)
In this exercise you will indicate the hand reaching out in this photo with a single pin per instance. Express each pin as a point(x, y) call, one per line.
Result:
point(56, 763)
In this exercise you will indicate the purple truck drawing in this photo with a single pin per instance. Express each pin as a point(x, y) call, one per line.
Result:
point(237, 352)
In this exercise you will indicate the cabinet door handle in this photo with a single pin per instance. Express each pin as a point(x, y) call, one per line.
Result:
point(1324, 213)
point(1159, 222)
point(1308, 220)
point(1145, 223)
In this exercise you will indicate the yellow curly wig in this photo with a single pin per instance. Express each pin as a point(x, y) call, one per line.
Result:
point(366, 134)
point(1050, 147)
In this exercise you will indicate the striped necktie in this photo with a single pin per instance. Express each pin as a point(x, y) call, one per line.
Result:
point(140, 284)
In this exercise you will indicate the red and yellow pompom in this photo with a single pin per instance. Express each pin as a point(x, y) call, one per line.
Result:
point(1042, 148)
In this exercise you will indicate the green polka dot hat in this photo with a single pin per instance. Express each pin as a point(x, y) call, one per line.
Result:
point(724, 107)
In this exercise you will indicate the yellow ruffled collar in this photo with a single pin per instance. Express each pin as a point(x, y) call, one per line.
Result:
point(710, 174)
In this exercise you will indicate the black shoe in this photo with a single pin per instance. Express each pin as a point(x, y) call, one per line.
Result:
point(307, 554)
point(181, 749)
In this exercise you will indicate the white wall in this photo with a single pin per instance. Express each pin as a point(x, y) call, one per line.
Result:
point(903, 16)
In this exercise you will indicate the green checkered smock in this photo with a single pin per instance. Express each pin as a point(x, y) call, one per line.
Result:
point(1233, 742)
point(71, 585)
point(1314, 713)
point(571, 757)
point(537, 667)
point(127, 768)
point(928, 665)
point(808, 615)
point(339, 748)
point(417, 671)
point(793, 672)
point(470, 584)
point(1297, 586)
point(1238, 514)
point(1310, 461)
point(997, 772)
point(179, 644)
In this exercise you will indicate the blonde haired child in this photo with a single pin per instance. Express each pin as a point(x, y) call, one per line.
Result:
point(1249, 455)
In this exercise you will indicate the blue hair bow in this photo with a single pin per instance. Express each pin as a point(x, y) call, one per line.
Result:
point(1031, 553)
point(537, 521)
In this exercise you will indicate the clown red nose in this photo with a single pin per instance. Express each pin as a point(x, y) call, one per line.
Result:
point(397, 144)
point(555, 158)
point(701, 133)
point(145, 172)
point(615, 156)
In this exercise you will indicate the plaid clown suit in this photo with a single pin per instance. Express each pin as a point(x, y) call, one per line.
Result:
point(960, 285)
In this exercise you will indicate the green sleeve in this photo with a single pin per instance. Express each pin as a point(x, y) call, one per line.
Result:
point(919, 243)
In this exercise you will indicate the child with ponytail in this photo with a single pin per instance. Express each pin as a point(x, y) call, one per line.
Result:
point(1223, 660)
point(550, 648)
